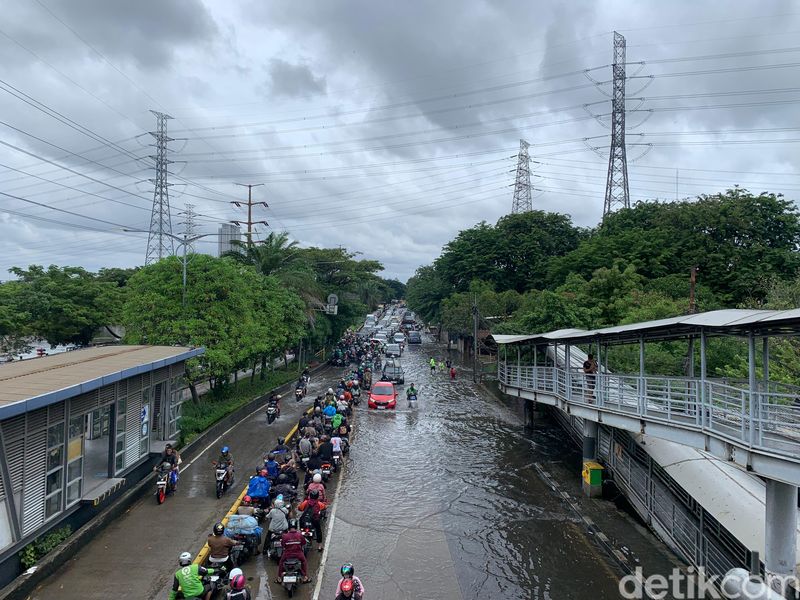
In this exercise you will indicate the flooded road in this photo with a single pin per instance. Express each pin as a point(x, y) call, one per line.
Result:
point(443, 501)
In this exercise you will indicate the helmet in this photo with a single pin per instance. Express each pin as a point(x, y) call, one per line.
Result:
point(330, 390)
point(235, 572)
point(185, 559)
point(347, 570)
point(237, 582)
point(347, 586)
point(278, 503)
point(292, 523)
point(317, 478)
point(219, 529)
point(224, 449)
point(341, 397)
point(278, 397)
point(264, 472)
point(271, 456)
point(283, 478)
point(317, 409)
point(280, 441)
point(247, 500)
point(314, 494)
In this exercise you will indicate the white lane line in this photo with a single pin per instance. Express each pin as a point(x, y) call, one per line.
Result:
point(331, 520)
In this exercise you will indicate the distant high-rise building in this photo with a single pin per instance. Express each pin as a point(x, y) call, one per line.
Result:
point(228, 233)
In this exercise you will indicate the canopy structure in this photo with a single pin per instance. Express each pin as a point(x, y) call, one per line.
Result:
point(732, 321)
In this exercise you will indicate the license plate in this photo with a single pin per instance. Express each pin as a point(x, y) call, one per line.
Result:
point(289, 579)
point(381, 408)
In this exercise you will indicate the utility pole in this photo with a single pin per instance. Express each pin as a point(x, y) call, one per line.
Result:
point(617, 192)
point(159, 240)
point(250, 205)
point(188, 232)
point(475, 317)
point(522, 184)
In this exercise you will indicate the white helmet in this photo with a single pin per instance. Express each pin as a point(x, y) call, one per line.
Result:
point(278, 396)
point(234, 573)
point(330, 390)
point(317, 478)
point(278, 503)
point(185, 559)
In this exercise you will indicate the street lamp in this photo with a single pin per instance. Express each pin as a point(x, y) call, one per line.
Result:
point(182, 241)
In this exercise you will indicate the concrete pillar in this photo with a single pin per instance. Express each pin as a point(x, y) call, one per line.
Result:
point(589, 440)
point(592, 475)
point(780, 557)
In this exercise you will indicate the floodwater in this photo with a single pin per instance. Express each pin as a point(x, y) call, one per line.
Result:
point(443, 501)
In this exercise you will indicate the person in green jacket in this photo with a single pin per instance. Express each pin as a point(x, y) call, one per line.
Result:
point(336, 422)
point(189, 579)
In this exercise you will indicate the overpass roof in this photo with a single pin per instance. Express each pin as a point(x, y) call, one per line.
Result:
point(30, 384)
point(732, 321)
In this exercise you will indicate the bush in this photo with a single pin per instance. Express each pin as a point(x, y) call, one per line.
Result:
point(34, 551)
point(218, 404)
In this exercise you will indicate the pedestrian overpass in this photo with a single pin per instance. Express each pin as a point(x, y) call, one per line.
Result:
point(753, 423)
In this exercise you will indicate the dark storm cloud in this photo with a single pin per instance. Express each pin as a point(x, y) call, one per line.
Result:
point(144, 32)
point(293, 80)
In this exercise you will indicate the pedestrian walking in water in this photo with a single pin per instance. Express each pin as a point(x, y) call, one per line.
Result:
point(452, 373)
point(433, 366)
point(448, 364)
point(441, 367)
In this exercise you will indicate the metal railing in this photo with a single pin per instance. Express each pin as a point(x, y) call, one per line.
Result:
point(765, 418)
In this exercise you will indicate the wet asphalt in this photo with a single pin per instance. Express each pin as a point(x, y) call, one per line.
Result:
point(437, 501)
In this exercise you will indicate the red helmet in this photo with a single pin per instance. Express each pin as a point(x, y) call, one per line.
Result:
point(237, 582)
point(347, 586)
point(247, 499)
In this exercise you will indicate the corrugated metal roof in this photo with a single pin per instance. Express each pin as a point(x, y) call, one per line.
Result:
point(732, 320)
point(37, 382)
point(510, 339)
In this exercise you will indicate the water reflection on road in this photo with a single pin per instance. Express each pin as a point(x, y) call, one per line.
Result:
point(442, 501)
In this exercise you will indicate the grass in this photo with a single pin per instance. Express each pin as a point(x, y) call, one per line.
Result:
point(218, 404)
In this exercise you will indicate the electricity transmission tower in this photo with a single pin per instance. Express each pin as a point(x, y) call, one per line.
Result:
point(159, 241)
point(617, 193)
point(522, 185)
point(250, 205)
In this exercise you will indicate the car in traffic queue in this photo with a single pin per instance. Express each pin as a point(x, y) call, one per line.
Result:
point(382, 396)
point(414, 337)
point(399, 338)
point(393, 350)
point(393, 371)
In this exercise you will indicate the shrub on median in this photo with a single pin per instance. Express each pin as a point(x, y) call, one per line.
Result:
point(219, 403)
point(34, 551)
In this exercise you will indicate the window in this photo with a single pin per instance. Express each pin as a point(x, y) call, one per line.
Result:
point(54, 486)
point(75, 459)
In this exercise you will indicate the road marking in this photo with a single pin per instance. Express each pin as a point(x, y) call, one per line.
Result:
point(324, 559)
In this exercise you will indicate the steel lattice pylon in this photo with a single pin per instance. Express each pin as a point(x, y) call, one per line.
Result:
point(159, 241)
point(522, 185)
point(617, 192)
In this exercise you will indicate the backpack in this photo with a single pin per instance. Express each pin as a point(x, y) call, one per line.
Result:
point(312, 513)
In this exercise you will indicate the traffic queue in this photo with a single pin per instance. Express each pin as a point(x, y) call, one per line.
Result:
point(282, 514)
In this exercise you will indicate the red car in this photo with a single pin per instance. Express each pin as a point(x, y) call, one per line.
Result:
point(382, 396)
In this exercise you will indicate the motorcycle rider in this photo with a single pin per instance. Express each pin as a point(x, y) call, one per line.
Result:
point(172, 457)
point(282, 451)
point(189, 579)
point(292, 543)
point(411, 391)
point(272, 467)
point(337, 419)
point(316, 484)
point(239, 590)
point(226, 458)
point(284, 488)
point(311, 509)
point(278, 522)
point(259, 488)
point(325, 450)
point(219, 545)
point(356, 588)
point(304, 446)
point(330, 396)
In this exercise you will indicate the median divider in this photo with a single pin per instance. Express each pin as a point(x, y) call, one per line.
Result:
point(202, 556)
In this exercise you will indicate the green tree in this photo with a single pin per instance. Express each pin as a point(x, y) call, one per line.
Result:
point(14, 320)
point(66, 305)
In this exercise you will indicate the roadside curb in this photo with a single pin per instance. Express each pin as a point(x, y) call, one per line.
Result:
point(26, 583)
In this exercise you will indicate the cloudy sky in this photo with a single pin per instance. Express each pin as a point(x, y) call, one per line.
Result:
point(385, 127)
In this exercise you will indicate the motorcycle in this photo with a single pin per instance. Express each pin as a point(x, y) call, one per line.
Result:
point(273, 412)
point(326, 470)
point(220, 474)
point(275, 550)
point(337, 461)
point(412, 400)
point(241, 551)
point(291, 576)
point(166, 481)
point(304, 462)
